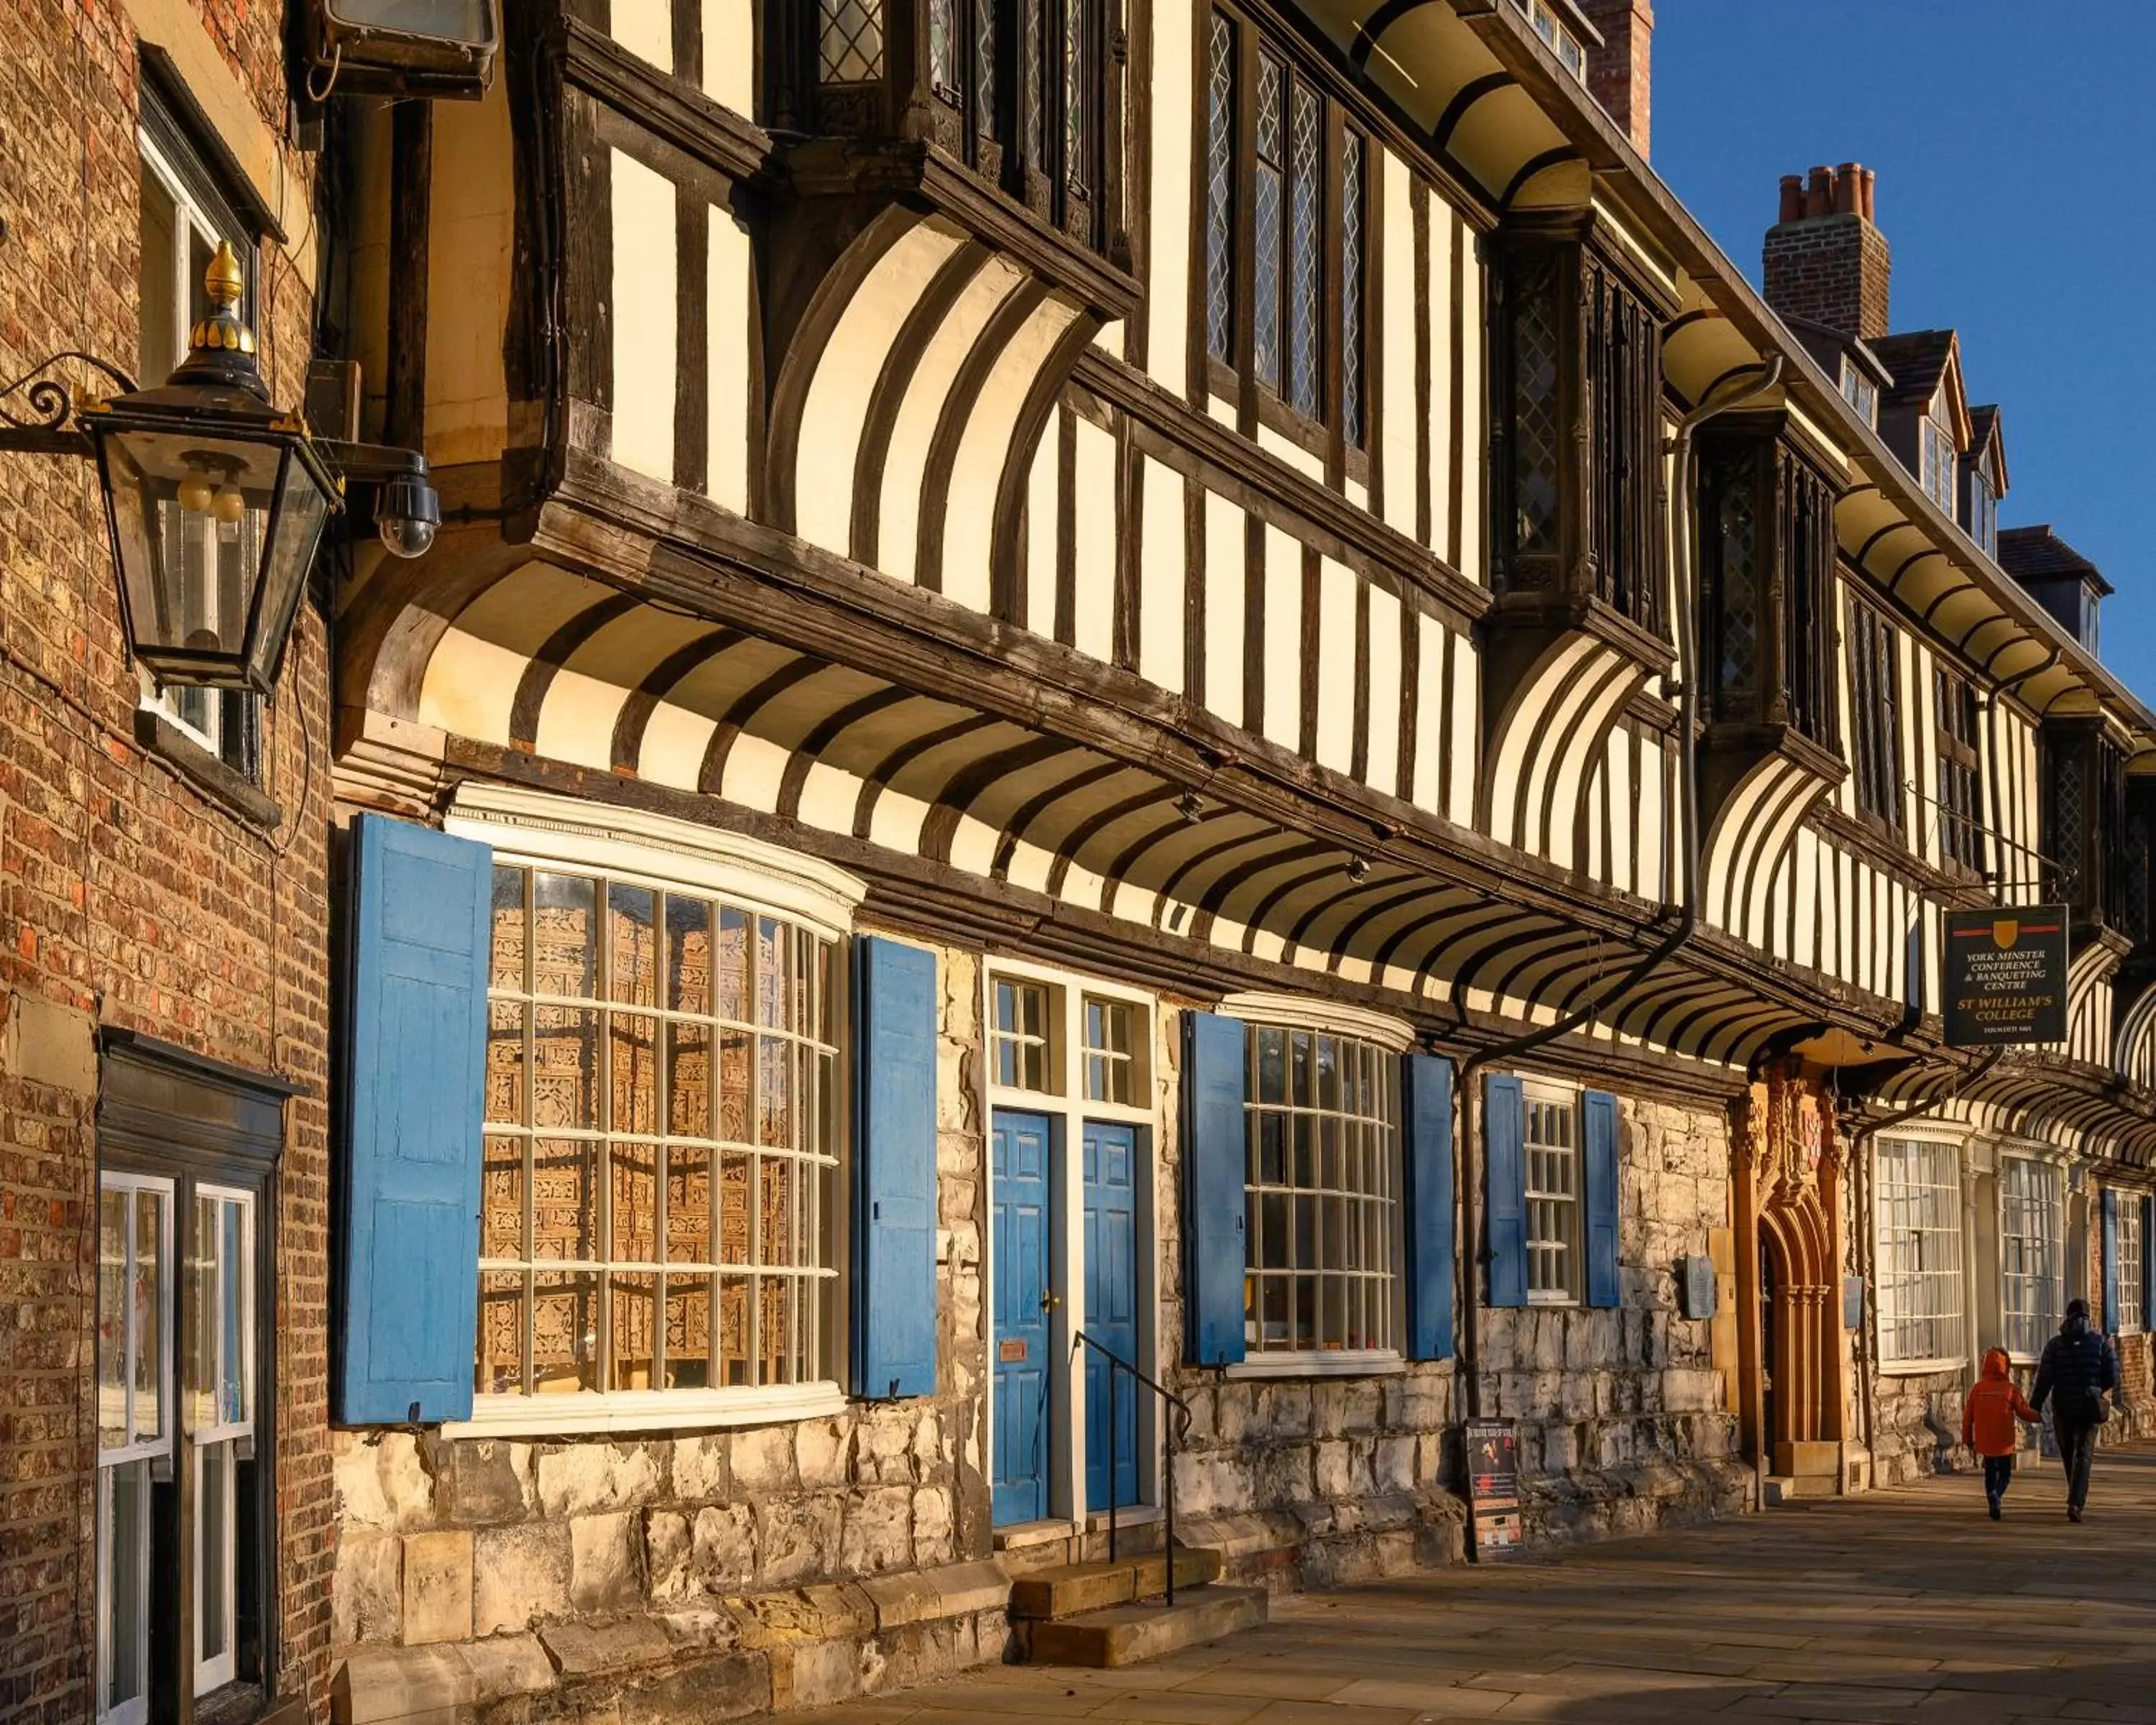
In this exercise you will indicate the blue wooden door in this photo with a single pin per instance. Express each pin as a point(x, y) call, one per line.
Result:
point(1111, 1307)
point(1018, 1319)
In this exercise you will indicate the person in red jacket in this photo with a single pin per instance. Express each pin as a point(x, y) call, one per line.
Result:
point(1987, 1425)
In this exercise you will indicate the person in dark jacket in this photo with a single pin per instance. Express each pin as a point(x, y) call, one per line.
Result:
point(2077, 1371)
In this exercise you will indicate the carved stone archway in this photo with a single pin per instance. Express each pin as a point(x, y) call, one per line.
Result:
point(1789, 1227)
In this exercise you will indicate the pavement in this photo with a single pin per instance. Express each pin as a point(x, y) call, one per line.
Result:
point(1907, 1605)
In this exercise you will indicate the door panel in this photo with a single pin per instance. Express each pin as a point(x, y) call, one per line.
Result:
point(1111, 1307)
point(1018, 1341)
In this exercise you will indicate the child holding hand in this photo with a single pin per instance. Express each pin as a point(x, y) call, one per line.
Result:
point(1987, 1425)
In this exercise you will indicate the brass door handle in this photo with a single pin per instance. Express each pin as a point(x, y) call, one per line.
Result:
point(1048, 1303)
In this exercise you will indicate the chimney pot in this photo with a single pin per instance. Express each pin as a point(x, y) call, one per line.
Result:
point(1834, 274)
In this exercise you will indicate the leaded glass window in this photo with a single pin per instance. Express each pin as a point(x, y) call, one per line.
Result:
point(662, 1120)
point(1077, 50)
point(1306, 281)
point(1271, 199)
point(1221, 191)
point(1535, 443)
point(1351, 286)
point(850, 41)
point(1875, 700)
point(1324, 1193)
point(1960, 811)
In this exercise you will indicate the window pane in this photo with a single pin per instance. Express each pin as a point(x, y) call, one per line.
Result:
point(1220, 191)
point(156, 282)
point(565, 946)
point(236, 1283)
point(213, 1539)
point(632, 946)
point(123, 1543)
point(629, 1300)
point(564, 1332)
point(688, 1331)
point(501, 1327)
point(1305, 272)
point(114, 1297)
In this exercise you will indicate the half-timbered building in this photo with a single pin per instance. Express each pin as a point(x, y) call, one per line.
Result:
point(1155, 743)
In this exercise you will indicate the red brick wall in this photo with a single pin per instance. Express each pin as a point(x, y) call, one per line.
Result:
point(126, 897)
point(1619, 73)
point(1832, 269)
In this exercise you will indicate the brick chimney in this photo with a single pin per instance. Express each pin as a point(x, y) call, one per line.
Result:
point(1617, 72)
point(1824, 258)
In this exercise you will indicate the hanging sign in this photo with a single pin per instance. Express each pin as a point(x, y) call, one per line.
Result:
point(2006, 977)
point(1493, 1487)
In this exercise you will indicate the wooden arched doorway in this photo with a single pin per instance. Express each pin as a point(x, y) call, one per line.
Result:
point(1792, 1364)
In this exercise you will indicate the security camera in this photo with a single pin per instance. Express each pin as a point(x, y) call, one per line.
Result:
point(405, 515)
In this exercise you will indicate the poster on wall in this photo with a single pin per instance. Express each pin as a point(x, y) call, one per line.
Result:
point(1493, 1487)
point(2006, 977)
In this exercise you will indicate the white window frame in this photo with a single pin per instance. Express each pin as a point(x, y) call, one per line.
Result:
point(140, 1456)
point(223, 1444)
point(1908, 1224)
point(537, 829)
point(2130, 1320)
point(1939, 463)
point(1391, 1038)
point(2024, 1210)
point(1068, 1108)
point(1548, 1094)
point(190, 220)
point(1860, 391)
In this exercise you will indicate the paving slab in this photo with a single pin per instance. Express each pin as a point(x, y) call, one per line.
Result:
point(1908, 1606)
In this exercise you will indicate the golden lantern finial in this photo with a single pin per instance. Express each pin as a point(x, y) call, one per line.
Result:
point(223, 329)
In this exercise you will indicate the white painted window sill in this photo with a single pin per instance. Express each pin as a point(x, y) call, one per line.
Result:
point(1367, 1363)
point(1919, 1368)
point(661, 1410)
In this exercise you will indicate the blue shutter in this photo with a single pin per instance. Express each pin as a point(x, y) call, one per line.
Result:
point(1426, 1116)
point(1214, 1156)
point(1504, 1129)
point(413, 1080)
point(894, 1295)
point(2109, 1321)
point(1599, 1128)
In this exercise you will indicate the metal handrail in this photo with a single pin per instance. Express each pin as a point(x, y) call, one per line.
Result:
point(1171, 1431)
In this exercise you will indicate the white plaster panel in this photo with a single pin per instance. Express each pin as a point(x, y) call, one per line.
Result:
point(672, 751)
point(575, 721)
point(1161, 579)
point(1176, 154)
point(1444, 235)
point(1382, 765)
point(1227, 561)
point(1335, 665)
point(646, 282)
point(1041, 502)
point(913, 432)
point(1094, 564)
point(1397, 380)
point(729, 299)
point(730, 54)
point(984, 449)
point(1283, 638)
point(1434, 652)
point(645, 27)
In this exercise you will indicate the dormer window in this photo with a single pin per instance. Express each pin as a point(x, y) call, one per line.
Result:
point(1860, 391)
point(1981, 512)
point(1940, 460)
point(1571, 52)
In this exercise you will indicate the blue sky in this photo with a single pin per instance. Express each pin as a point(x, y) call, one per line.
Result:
point(2012, 145)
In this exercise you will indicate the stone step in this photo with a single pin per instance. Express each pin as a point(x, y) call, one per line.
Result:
point(1131, 1635)
point(1067, 1590)
point(1788, 1488)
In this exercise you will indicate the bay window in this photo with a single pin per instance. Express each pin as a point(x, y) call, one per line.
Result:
point(1287, 276)
point(2032, 1244)
point(1920, 1252)
point(1875, 702)
point(1961, 814)
point(1322, 1190)
point(663, 1117)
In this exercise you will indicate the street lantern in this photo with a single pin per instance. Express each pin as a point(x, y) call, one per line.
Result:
point(215, 501)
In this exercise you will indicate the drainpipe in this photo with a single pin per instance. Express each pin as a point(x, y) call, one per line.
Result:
point(1683, 524)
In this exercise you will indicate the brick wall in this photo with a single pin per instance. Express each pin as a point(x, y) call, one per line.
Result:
point(126, 897)
point(1832, 269)
point(1619, 73)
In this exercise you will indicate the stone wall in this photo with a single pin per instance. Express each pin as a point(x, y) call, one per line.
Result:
point(1916, 1425)
point(1624, 1420)
point(698, 1554)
